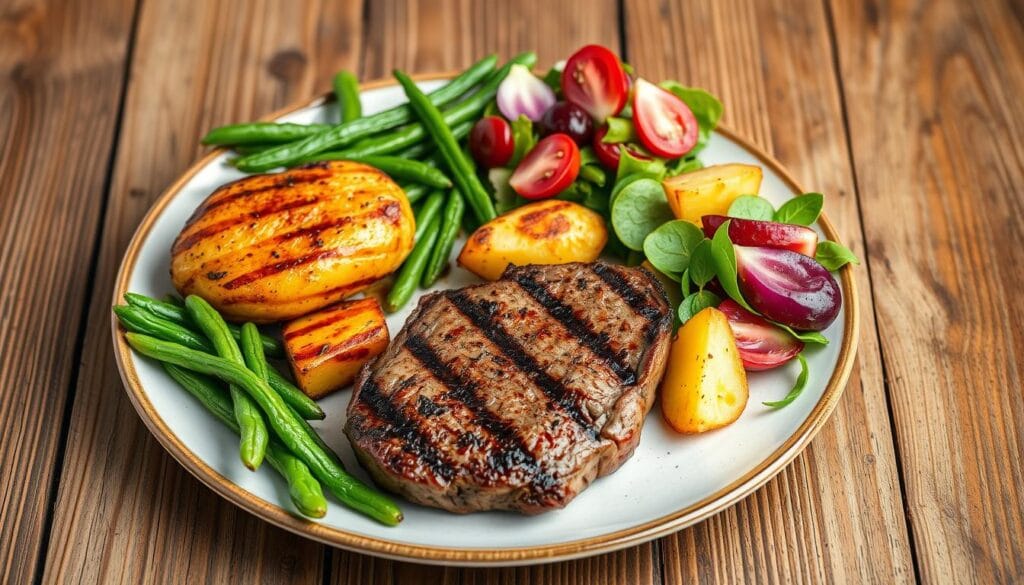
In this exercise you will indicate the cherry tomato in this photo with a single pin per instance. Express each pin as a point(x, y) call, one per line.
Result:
point(761, 345)
point(594, 79)
point(663, 122)
point(568, 118)
point(491, 142)
point(609, 154)
point(548, 169)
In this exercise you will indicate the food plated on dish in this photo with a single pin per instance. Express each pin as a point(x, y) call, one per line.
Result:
point(599, 266)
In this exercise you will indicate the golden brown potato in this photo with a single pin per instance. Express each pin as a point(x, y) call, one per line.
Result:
point(711, 190)
point(327, 348)
point(274, 247)
point(705, 385)
point(545, 232)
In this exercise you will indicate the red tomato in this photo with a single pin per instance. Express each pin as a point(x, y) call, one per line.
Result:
point(761, 345)
point(594, 79)
point(609, 154)
point(663, 122)
point(548, 169)
point(491, 142)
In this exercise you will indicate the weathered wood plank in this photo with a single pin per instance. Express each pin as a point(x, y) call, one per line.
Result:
point(933, 90)
point(58, 112)
point(126, 511)
point(835, 514)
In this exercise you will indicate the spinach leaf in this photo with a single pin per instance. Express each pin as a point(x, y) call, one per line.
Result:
point(638, 209)
point(800, 210)
point(724, 258)
point(702, 265)
point(798, 386)
point(695, 303)
point(523, 139)
point(669, 246)
point(706, 108)
point(684, 283)
point(833, 255)
point(619, 130)
point(751, 207)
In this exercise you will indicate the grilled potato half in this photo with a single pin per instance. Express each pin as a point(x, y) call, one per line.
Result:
point(273, 247)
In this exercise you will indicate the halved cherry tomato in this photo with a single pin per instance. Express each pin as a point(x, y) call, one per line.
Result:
point(609, 154)
point(594, 79)
point(761, 345)
point(663, 122)
point(491, 142)
point(550, 167)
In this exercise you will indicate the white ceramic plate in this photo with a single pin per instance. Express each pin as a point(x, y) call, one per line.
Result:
point(672, 481)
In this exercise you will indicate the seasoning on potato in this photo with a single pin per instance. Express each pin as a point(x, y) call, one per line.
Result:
point(547, 232)
point(273, 247)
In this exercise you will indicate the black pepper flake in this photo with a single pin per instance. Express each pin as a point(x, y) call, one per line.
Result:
point(319, 243)
point(324, 348)
point(275, 254)
point(216, 275)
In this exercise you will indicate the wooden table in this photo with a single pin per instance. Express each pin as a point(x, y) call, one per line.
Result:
point(908, 115)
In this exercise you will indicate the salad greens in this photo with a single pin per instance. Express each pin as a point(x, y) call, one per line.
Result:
point(638, 209)
point(800, 210)
point(833, 255)
point(751, 207)
point(669, 247)
point(695, 303)
point(798, 386)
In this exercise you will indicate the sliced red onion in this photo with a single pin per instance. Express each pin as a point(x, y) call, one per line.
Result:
point(522, 93)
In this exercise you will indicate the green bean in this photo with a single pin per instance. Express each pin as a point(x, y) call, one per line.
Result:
point(141, 321)
point(173, 312)
point(246, 149)
point(252, 352)
point(430, 209)
point(415, 192)
point(252, 428)
point(262, 132)
point(462, 170)
point(349, 132)
point(451, 222)
point(422, 151)
point(465, 111)
point(303, 488)
point(303, 405)
point(412, 269)
point(398, 168)
point(346, 91)
point(285, 423)
point(173, 299)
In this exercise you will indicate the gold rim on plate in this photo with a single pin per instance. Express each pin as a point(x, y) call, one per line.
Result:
point(650, 530)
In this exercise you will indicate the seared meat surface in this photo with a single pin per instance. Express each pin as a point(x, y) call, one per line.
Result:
point(516, 394)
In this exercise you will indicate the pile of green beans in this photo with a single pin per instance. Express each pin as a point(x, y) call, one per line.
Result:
point(259, 404)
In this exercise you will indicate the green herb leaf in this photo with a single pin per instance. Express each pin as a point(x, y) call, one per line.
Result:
point(695, 303)
point(638, 210)
point(706, 108)
point(686, 164)
point(669, 246)
point(554, 79)
point(798, 386)
point(833, 255)
point(725, 265)
point(491, 109)
point(523, 139)
point(751, 207)
point(505, 198)
point(800, 210)
point(702, 265)
point(806, 336)
point(684, 283)
point(629, 166)
point(619, 130)
point(588, 156)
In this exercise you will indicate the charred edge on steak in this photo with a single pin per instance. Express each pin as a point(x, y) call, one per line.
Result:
point(564, 314)
point(634, 298)
point(512, 452)
point(405, 430)
point(481, 314)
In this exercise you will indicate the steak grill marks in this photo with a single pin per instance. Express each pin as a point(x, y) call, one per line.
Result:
point(636, 300)
point(481, 314)
point(512, 452)
point(564, 314)
point(399, 426)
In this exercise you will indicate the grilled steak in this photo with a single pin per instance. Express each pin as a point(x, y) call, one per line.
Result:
point(516, 394)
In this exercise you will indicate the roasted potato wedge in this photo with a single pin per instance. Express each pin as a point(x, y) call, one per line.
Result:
point(546, 232)
point(327, 348)
point(705, 385)
point(273, 247)
point(711, 190)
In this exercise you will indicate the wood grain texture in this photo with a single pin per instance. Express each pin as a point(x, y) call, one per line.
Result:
point(835, 514)
point(58, 111)
point(933, 89)
point(126, 511)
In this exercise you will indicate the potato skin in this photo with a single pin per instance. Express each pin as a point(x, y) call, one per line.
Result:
point(326, 349)
point(545, 232)
point(273, 247)
point(705, 385)
point(711, 190)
